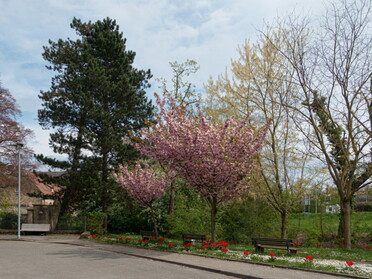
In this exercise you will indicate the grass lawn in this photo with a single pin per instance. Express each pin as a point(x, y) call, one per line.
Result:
point(325, 259)
point(360, 222)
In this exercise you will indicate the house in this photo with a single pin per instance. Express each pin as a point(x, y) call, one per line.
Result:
point(42, 207)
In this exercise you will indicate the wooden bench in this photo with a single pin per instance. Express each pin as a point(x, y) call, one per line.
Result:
point(146, 235)
point(193, 237)
point(35, 228)
point(260, 243)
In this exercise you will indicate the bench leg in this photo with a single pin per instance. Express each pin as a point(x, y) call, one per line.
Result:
point(260, 250)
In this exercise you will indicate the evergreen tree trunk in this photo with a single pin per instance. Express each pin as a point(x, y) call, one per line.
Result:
point(153, 218)
point(284, 218)
point(105, 196)
point(72, 189)
point(213, 218)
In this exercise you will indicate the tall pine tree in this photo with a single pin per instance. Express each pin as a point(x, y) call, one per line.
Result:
point(96, 101)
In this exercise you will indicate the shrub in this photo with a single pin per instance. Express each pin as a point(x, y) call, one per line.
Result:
point(247, 217)
point(8, 221)
point(95, 222)
point(191, 215)
point(70, 222)
point(363, 207)
point(127, 217)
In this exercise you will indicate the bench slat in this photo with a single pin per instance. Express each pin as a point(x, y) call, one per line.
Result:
point(261, 243)
point(35, 227)
point(277, 247)
point(192, 237)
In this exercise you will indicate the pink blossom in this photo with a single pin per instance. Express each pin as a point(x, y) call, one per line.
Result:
point(216, 160)
point(141, 183)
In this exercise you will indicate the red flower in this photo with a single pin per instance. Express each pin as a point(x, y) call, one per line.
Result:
point(127, 239)
point(246, 253)
point(309, 258)
point(295, 244)
point(367, 247)
point(271, 254)
point(98, 237)
point(349, 263)
point(171, 245)
point(140, 240)
point(108, 237)
point(187, 245)
point(342, 245)
point(159, 242)
point(153, 237)
point(223, 243)
point(94, 235)
point(224, 249)
point(274, 258)
point(205, 246)
point(318, 245)
point(145, 241)
point(162, 238)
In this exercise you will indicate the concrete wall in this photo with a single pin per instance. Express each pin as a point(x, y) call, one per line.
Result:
point(43, 214)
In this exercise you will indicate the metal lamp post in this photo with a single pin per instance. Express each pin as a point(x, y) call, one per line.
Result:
point(19, 147)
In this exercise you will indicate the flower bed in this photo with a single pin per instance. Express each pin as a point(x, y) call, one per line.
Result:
point(311, 258)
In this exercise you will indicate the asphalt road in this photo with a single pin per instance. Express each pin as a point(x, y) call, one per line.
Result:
point(66, 256)
point(29, 260)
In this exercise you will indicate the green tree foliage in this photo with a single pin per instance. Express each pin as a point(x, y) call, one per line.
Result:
point(248, 217)
point(96, 101)
point(191, 214)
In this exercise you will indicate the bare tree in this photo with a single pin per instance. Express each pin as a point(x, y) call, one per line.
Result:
point(11, 132)
point(333, 71)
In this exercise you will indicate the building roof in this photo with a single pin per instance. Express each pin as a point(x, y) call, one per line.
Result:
point(46, 189)
point(30, 183)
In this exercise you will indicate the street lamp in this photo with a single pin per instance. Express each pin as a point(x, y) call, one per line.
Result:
point(19, 146)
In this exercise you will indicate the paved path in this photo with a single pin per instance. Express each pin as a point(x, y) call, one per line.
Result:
point(65, 256)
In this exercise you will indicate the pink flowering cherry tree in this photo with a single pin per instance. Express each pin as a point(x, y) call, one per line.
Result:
point(215, 159)
point(143, 185)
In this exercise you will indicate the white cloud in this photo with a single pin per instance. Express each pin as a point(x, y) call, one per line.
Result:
point(208, 31)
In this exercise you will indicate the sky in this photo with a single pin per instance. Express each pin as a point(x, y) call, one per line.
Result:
point(159, 31)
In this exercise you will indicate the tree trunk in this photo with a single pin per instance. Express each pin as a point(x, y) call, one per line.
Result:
point(154, 221)
point(344, 229)
point(284, 218)
point(104, 181)
point(72, 190)
point(172, 195)
point(213, 218)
